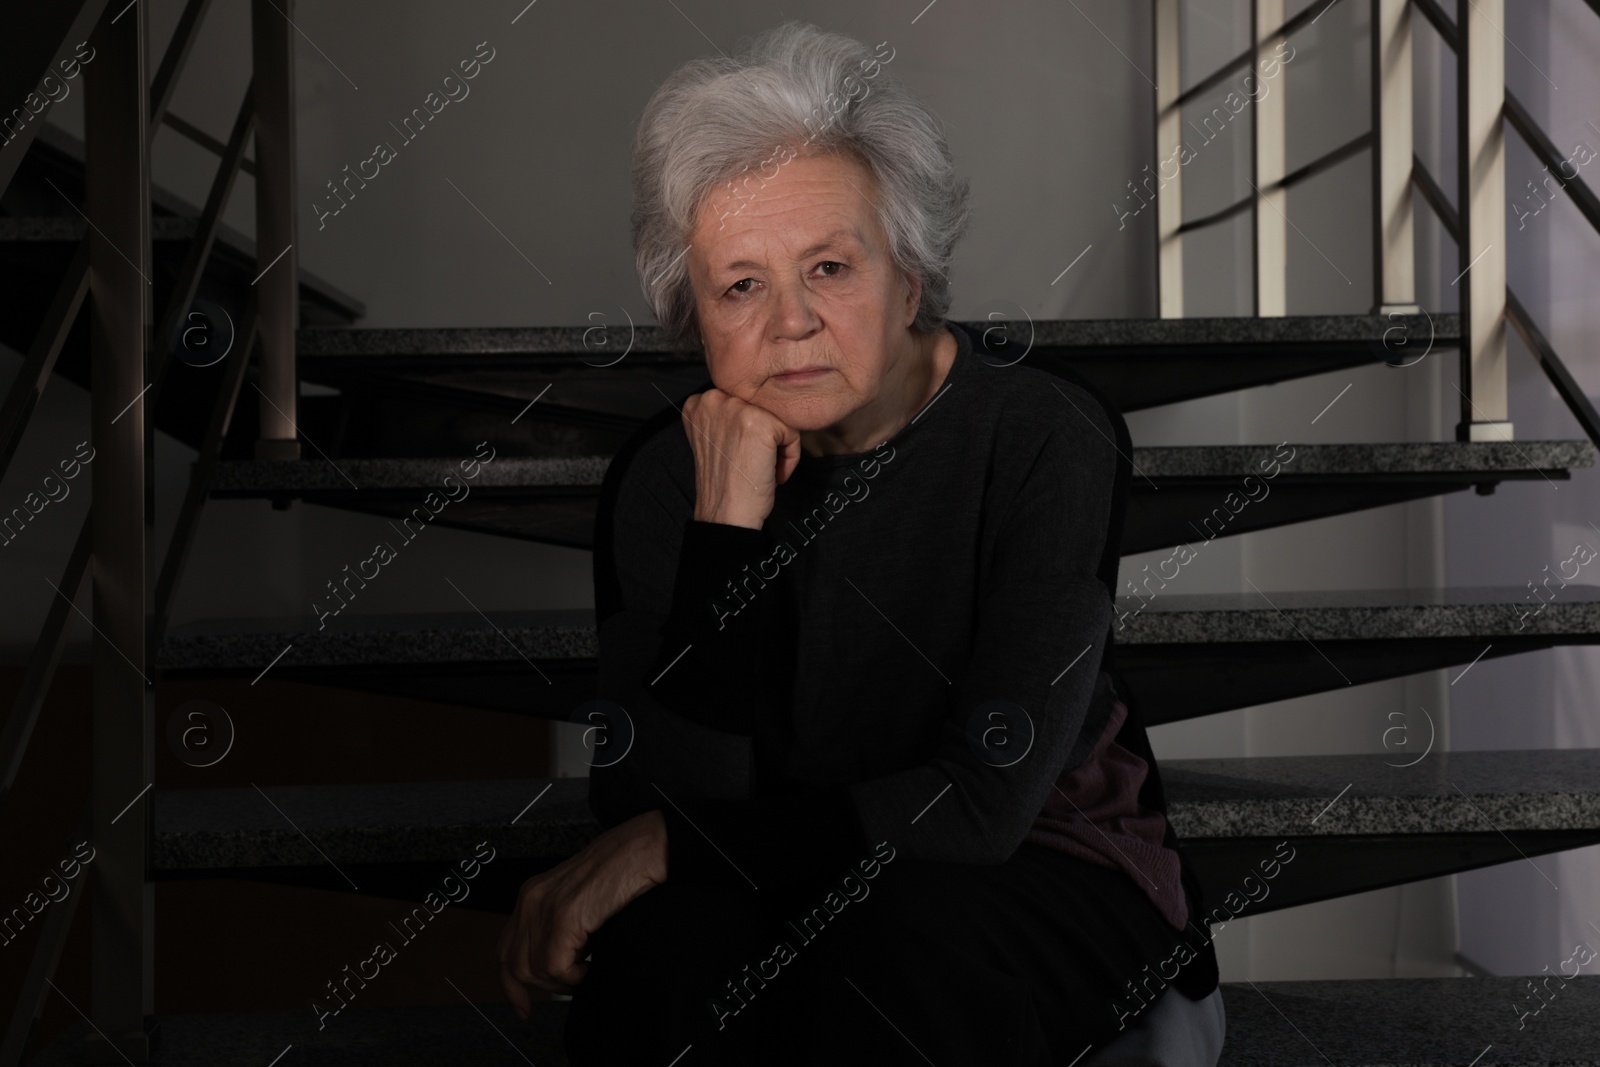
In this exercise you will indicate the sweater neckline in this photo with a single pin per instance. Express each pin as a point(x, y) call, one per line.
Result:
point(957, 371)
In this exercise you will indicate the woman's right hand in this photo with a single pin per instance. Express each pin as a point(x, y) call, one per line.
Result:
point(742, 453)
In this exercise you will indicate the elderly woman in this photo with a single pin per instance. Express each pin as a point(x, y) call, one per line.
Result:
point(872, 799)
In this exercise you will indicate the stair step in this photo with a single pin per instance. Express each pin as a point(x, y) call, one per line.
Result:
point(1394, 1022)
point(405, 822)
point(1445, 792)
point(399, 1036)
point(416, 477)
point(1411, 1022)
point(1126, 335)
point(1204, 493)
point(1139, 363)
point(1356, 823)
point(1181, 655)
point(1346, 614)
point(1186, 655)
point(1253, 797)
point(387, 641)
point(1173, 488)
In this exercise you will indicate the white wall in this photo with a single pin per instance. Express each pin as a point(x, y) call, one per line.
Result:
point(1514, 919)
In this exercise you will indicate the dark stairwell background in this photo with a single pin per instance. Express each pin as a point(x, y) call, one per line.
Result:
point(1049, 122)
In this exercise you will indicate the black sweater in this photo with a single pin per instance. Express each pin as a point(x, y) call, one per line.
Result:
point(801, 692)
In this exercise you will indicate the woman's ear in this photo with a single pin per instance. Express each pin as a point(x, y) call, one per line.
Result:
point(913, 297)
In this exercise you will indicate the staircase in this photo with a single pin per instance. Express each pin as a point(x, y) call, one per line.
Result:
point(395, 410)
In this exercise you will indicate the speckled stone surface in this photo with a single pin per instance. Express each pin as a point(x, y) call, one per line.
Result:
point(352, 640)
point(404, 1036)
point(1402, 1022)
point(598, 343)
point(1239, 331)
point(1194, 461)
point(1413, 1022)
point(1443, 792)
point(1179, 618)
point(1230, 332)
point(410, 822)
point(419, 475)
point(1367, 614)
point(1252, 797)
point(1411, 457)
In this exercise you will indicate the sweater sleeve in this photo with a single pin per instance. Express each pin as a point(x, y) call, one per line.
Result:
point(707, 668)
point(657, 556)
point(685, 668)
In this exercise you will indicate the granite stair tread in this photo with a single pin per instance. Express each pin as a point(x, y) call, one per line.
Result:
point(344, 475)
point(1394, 1022)
point(1411, 1022)
point(1389, 793)
point(612, 371)
point(582, 341)
point(381, 640)
point(1360, 614)
point(416, 822)
point(402, 822)
point(1167, 618)
point(419, 476)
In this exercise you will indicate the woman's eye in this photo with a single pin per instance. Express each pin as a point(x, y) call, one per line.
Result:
point(735, 289)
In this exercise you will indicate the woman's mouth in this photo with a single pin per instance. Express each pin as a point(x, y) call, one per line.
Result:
point(805, 374)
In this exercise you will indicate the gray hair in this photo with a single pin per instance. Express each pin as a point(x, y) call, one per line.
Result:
point(716, 117)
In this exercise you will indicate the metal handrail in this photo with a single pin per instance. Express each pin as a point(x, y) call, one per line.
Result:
point(1293, 178)
point(1245, 58)
point(1566, 385)
point(1436, 197)
point(1443, 24)
point(1520, 119)
point(203, 139)
point(1544, 149)
point(1544, 352)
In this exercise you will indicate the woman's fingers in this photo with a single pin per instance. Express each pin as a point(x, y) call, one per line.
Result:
point(543, 944)
point(515, 991)
point(540, 947)
point(742, 453)
point(788, 457)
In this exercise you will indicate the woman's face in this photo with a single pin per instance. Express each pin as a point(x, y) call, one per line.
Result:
point(799, 305)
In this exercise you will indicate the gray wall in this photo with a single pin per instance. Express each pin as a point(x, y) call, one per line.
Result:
point(1522, 917)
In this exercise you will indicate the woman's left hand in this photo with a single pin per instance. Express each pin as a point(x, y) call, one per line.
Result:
point(542, 944)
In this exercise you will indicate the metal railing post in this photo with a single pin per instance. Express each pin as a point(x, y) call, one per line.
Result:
point(272, 37)
point(1394, 276)
point(117, 201)
point(1481, 198)
point(1268, 118)
point(1169, 143)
